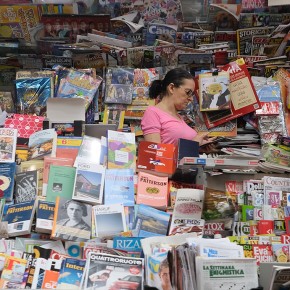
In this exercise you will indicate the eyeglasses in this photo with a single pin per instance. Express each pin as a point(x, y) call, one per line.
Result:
point(190, 93)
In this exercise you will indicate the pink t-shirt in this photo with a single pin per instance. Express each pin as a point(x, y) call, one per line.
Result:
point(170, 129)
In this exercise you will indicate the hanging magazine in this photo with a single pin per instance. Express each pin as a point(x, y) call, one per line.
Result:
point(119, 86)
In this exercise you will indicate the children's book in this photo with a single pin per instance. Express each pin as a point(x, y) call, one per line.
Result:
point(44, 216)
point(119, 85)
point(150, 222)
point(121, 150)
point(19, 217)
point(106, 271)
point(152, 190)
point(72, 220)
point(46, 166)
point(7, 176)
point(26, 186)
point(78, 84)
point(109, 220)
point(60, 182)
point(214, 91)
point(8, 139)
point(71, 273)
point(119, 187)
point(89, 182)
point(42, 143)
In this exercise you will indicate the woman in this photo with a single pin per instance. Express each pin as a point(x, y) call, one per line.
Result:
point(75, 211)
point(162, 123)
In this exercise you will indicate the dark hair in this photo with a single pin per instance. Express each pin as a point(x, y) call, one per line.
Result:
point(175, 76)
point(83, 206)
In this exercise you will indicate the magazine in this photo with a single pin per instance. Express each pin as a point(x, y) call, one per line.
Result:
point(109, 220)
point(7, 173)
point(104, 271)
point(42, 143)
point(7, 144)
point(89, 182)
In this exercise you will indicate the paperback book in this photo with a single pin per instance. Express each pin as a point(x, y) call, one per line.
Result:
point(60, 182)
point(7, 144)
point(152, 190)
point(44, 216)
point(7, 177)
point(121, 150)
point(109, 220)
point(119, 187)
point(104, 271)
point(42, 143)
point(26, 186)
point(19, 217)
point(89, 182)
point(68, 147)
point(72, 220)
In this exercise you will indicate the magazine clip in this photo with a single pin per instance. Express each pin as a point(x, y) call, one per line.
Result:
point(215, 73)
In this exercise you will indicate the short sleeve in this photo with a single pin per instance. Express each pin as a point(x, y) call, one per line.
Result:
point(150, 122)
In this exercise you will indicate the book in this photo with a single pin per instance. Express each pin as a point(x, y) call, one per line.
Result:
point(44, 216)
point(68, 147)
point(89, 182)
point(7, 177)
point(119, 85)
point(119, 187)
point(48, 160)
point(26, 186)
point(121, 150)
point(127, 243)
point(72, 220)
point(71, 274)
point(60, 182)
point(109, 220)
point(112, 116)
point(19, 217)
point(8, 138)
point(152, 190)
point(187, 212)
point(244, 98)
point(42, 143)
point(90, 150)
point(111, 272)
point(150, 222)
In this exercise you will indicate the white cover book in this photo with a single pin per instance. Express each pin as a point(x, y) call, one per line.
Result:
point(8, 138)
point(109, 219)
point(89, 182)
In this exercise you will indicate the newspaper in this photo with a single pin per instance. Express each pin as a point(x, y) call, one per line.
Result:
point(226, 274)
point(104, 271)
point(280, 276)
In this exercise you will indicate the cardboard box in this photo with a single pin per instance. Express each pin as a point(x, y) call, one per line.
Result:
point(157, 157)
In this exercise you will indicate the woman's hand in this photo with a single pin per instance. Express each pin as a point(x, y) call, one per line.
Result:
point(202, 138)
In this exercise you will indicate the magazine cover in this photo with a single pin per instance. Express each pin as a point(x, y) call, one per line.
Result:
point(121, 150)
point(119, 85)
point(142, 81)
point(71, 273)
point(104, 271)
point(89, 182)
point(160, 31)
point(214, 91)
point(150, 222)
point(109, 220)
point(26, 186)
point(19, 217)
point(42, 143)
point(7, 144)
point(119, 186)
point(7, 174)
point(72, 220)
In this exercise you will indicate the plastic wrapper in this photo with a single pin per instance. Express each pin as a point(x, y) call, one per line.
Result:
point(32, 95)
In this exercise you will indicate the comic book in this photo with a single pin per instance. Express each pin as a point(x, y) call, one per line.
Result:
point(119, 85)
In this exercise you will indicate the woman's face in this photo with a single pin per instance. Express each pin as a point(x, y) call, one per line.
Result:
point(183, 95)
point(74, 211)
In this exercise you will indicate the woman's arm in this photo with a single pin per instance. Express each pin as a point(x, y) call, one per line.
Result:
point(153, 137)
